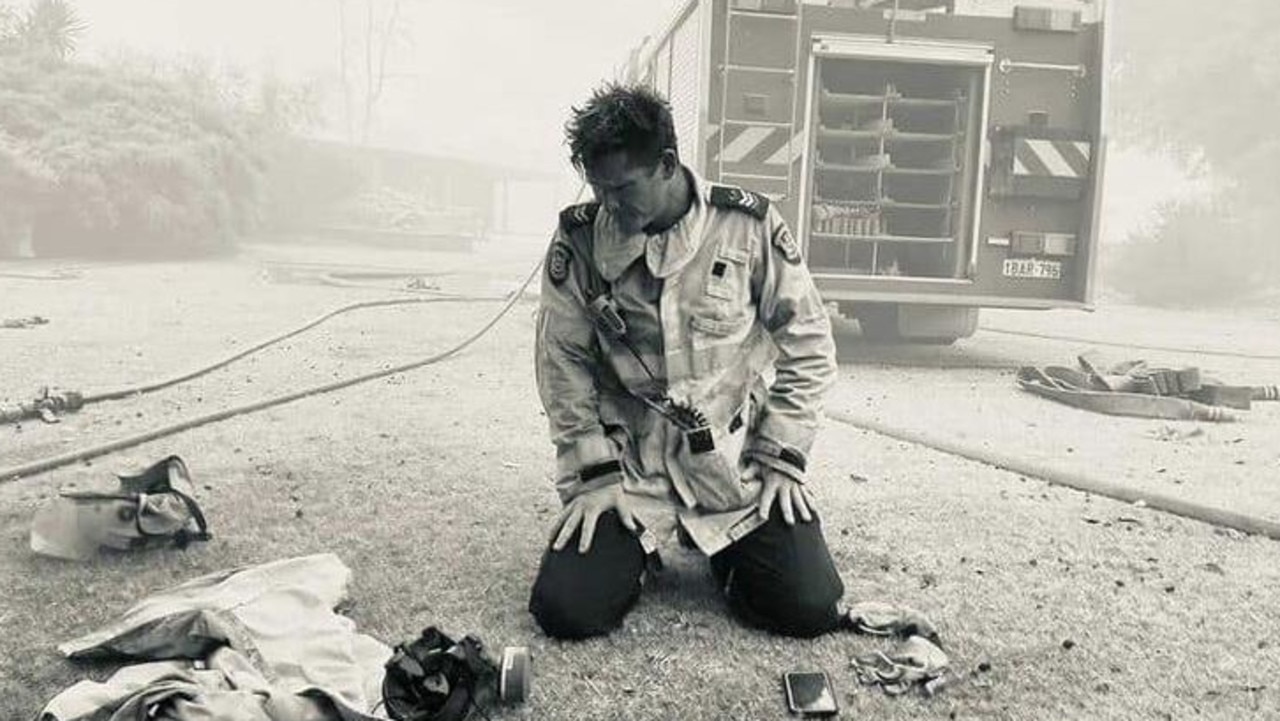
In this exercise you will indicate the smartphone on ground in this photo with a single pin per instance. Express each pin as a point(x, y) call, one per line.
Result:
point(810, 694)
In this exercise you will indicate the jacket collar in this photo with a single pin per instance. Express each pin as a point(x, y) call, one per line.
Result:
point(666, 253)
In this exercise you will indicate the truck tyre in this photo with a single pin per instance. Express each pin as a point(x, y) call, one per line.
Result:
point(885, 323)
point(877, 321)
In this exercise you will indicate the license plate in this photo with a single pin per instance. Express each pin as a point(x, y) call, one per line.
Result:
point(1032, 268)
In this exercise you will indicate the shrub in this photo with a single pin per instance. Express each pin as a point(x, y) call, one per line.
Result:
point(118, 158)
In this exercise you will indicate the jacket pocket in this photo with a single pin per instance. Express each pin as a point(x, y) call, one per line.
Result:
point(715, 476)
point(718, 327)
point(728, 276)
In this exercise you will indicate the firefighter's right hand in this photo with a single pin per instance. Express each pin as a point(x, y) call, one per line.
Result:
point(585, 510)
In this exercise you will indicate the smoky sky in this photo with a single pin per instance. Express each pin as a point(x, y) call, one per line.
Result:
point(484, 79)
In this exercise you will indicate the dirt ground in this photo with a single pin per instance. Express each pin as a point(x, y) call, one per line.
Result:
point(433, 487)
point(969, 397)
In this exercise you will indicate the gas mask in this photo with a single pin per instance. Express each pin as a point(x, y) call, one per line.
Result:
point(435, 678)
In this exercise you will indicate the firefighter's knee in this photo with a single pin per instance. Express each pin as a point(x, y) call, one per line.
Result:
point(560, 617)
point(579, 595)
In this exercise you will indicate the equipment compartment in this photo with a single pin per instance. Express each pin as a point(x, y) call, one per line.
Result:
point(895, 151)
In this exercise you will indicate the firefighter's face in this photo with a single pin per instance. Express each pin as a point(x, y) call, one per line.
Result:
point(634, 194)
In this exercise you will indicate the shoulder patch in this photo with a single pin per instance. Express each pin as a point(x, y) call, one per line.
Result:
point(786, 243)
point(558, 259)
point(729, 196)
point(577, 216)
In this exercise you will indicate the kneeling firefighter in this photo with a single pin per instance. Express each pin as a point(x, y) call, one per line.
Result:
point(666, 308)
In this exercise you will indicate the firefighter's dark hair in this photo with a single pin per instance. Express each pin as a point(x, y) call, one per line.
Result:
point(631, 118)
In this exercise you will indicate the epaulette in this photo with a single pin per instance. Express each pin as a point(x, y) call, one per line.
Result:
point(577, 216)
point(729, 196)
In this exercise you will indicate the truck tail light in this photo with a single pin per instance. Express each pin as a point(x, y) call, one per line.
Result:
point(1049, 20)
point(1062, 245)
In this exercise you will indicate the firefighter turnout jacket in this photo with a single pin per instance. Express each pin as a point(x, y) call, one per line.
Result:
point(718, 313)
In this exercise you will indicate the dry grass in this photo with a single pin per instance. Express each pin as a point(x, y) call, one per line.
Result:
point(433, 488)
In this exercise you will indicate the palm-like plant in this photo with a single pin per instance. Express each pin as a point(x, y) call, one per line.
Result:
point(51, 27)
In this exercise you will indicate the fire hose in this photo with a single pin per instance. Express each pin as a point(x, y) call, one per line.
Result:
point(1133, 346)
point(1055, 476)
point(1059, 477)
point(49, 404)
point(75, 456)
point(55, 274)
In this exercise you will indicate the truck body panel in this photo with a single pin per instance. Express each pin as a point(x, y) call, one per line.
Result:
point(949, 153)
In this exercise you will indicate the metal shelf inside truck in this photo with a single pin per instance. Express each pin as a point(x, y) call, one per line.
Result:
point(838, 237)
point(889, 136)
point(889, 153)
point(828, 167)
point(831, 99)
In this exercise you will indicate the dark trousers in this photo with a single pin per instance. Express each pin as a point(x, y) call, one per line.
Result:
point(779, 578)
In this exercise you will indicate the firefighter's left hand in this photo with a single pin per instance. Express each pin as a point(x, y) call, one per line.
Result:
point(791, 496)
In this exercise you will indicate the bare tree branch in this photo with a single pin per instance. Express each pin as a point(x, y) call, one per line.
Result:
point(365, 79)
point(368, 70)
point(345, 70)
point(388, 37)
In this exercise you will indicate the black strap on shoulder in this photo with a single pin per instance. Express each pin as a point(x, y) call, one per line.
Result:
point(574, 249)
point(735, 198)
point(579, 248)
point(578, 216)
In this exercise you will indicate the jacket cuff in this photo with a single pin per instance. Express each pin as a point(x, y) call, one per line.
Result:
point(779, 457)
point(779, 429)
point(583, 450)
point(591, 478)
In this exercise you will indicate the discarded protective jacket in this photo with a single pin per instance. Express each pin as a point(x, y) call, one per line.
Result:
point(711, 305)
point(252, 644)
point(1134, 388)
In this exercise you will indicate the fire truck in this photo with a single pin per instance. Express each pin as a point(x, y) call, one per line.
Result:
point(933, 157)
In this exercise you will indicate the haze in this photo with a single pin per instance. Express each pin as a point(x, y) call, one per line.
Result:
point(487, 79)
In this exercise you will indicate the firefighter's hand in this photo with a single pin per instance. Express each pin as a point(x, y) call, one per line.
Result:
point(584, 510)
point(791, 496)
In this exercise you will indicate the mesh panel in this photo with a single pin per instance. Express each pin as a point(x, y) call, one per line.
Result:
point(685, 80)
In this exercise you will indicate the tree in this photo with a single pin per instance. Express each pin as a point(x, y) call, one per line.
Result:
point(1200, 79)
point(156, 158)
point(365, 46)
point(26, 184)
point(51, 27)
point(117, 158)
